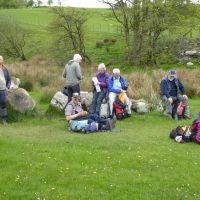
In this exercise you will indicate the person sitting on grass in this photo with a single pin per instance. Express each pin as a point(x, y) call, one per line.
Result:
point(169, 91)
point(5, 82)
point(74, 111)
point(116, 86)
point(100, 83)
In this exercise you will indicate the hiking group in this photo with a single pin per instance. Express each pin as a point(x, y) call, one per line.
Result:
point(110, 91)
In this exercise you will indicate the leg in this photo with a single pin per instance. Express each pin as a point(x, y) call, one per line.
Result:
point(3, 100)
point(112, 97)
point(168, 106)
point(94, 102)
point(128, 103)
point(76, 89)
point(70, 93)
point(100, 98)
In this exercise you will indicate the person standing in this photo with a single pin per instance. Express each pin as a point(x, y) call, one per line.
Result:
point(5, 82)
point(72, 73)
point(102, 83)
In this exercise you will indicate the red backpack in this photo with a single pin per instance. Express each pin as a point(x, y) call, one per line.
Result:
point(119, 109)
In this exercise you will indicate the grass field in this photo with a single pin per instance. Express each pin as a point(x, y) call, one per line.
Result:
point(40, 159)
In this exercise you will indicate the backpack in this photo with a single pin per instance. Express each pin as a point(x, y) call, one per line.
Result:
point(120, 109)
point(78, 126)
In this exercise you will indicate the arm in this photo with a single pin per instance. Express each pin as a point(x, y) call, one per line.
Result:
point(8, 82)
point(78, 72)
point(65, 71)
point(71, 117)
point(105, 83)
point(181, 87)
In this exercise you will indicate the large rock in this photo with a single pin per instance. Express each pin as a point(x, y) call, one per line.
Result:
point(140, 106)
point(192, 53)
point(59, 100)
point(190, 64)
point(20, 100)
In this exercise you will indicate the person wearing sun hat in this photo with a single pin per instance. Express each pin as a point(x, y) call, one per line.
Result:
point(169, 91)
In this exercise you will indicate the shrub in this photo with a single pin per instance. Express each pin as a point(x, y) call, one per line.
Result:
point(99, 44)
point(27, 85)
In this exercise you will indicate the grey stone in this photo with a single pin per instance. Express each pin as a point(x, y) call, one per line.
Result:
point(140, 106)
point(20, 100)
point(59, 100)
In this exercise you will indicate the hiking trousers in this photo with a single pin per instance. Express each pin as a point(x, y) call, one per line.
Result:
point(3, 100)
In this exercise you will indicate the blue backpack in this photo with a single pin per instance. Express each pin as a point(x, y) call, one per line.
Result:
point(78, 126)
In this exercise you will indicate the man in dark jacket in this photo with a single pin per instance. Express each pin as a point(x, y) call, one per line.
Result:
point(5, 82)
point(169, 90)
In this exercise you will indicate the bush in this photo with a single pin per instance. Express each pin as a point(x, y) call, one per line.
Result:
point(43, 82)
point(46, 97)
point(27, 85)
point(99, 44)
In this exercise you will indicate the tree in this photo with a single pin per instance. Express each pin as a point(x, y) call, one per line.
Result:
point(68, 30)
point(12, 3)
point(144, 22)
point(30, 3)
point(50, 2)
point(12, 38)
point(39, 3)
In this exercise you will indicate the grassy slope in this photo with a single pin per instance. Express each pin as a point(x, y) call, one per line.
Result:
point(40, 159)
point(99, 27)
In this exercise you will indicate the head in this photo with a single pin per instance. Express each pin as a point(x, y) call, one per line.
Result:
point(76, 98)
point(1, 60)
point(101, 68)
point(77, 58)
point(171, 75)
point(116, 73)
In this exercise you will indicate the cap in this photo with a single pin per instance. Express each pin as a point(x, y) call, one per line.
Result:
point(76, 94)
point(172, 73)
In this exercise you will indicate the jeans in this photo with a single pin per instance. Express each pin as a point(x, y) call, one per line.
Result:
point(171, 109)
point(96, 102)
point(71, 90)
point(93, 118)
point(3, 100)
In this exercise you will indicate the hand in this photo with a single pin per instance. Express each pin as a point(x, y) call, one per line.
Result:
point(122, 91)
point(185, 97)
point(170, 100)
point(83, 113)
point(97, 84)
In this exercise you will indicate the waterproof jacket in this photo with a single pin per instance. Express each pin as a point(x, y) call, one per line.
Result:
point(111, 82)
point(103, 80)
point(196, 129)
point(171, 88)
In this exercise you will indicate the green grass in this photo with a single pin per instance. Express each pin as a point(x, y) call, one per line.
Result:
point(40, 159)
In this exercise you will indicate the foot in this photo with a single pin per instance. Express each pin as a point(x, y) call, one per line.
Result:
point(187, 117)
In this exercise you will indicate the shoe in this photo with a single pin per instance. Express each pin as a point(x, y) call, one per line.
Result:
point(187, 117)
point(4, 122)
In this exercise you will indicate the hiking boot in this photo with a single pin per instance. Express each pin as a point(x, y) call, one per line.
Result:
point(4, 122)
point(187, 117)
point(168, 115)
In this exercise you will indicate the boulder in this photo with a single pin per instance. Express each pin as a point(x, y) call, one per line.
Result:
point(190, 64)
point(86, 99)
point(20, 100)
point(140, 106)
point(192, 53)
point(59, 101)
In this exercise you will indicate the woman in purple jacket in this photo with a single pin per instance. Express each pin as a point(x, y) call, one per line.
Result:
point(98, 95)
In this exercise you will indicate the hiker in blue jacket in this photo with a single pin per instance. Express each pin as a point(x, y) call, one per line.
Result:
point(116, 86)
point(5, 82)
point(169, 90)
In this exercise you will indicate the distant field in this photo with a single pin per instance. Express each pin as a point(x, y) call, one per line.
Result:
point(99, 26)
